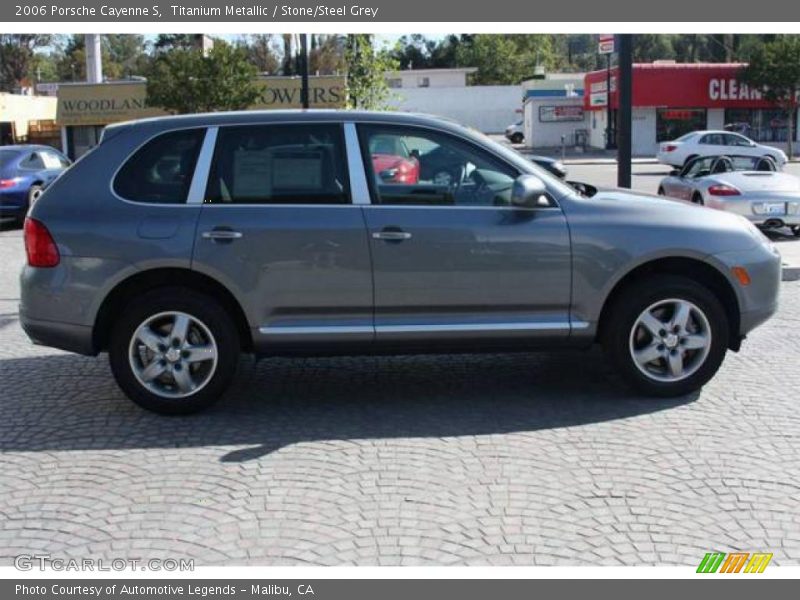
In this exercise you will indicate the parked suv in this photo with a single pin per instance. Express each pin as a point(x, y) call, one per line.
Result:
point(179, 242)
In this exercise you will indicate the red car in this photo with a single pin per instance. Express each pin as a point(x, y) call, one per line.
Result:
point(392, 161)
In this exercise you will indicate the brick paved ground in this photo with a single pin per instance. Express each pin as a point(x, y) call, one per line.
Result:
point(503, 459)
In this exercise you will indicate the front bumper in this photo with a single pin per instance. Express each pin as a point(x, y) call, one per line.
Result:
point(758, 301)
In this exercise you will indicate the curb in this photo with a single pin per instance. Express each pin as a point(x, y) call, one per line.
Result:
point(790, 274)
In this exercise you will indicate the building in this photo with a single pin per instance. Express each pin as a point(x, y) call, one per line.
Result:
point(22, 115)
point(446, 93)
point(425, 78)
point(553, 111)
point(670, 99)
point(85, 109)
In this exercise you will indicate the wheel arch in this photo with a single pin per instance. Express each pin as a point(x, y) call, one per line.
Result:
point(692, 268)
point(121, 294)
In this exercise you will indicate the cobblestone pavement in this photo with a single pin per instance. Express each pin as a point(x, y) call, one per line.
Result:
point(501, 459)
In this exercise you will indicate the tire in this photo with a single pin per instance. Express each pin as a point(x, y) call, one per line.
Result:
point(157, 312)
point(517, 138)
point(33, 194)
point(624, 334)
point(796, 230)
point(697, 199)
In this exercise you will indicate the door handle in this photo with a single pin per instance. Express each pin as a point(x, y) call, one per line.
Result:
point(224, 235)
point(391, 235)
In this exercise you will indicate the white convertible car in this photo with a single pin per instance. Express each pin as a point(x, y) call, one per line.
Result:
point(749, 186)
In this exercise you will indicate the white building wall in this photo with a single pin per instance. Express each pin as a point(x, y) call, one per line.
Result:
point(413, 79)
point(548, 134)
point(487, 108)
point(715, 118)
point(644, 132)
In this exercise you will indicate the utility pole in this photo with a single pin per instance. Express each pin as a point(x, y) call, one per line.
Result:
point(625, 111)
point(304, 92)
point(94, 58)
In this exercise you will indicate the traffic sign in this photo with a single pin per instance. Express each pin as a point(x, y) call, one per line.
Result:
point(605, 43)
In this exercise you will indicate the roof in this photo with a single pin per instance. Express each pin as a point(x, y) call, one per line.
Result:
point(245, 117)
point(432, 71)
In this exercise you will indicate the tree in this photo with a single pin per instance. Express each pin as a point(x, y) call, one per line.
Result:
point(366, 69)
point(261, 51)
point(175, 41)
point(506, 59)
point(184, 81)
point(17, 58)
point(775, 68)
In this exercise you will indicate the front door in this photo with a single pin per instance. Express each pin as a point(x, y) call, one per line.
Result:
point(453, 260)
point(278, 227)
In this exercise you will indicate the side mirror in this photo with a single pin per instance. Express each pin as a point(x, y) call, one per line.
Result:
point(675, 173)
point(529, 192)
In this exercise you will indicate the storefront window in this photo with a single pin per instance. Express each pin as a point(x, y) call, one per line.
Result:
point(759, 124)
point(672, 123)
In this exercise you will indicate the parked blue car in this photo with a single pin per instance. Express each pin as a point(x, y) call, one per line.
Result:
point(25, 171)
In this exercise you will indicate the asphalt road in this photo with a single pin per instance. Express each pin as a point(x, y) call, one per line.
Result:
point(526, 459)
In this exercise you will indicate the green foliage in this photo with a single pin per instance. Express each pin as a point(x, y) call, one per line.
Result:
point(17, 58)
point(184, 81)
point(366, 83)
point(506, 59)
point(775, 68)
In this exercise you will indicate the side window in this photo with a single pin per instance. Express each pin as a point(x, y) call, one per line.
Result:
point(161, 171)
point(33, 161)
point(53, 160)
point(279, 164)
point(736, 140)
point(416, 166)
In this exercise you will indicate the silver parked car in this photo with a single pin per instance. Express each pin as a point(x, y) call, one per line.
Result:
point(180, 242)
point(748, 186)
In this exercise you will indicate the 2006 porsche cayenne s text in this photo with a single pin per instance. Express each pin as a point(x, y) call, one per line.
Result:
point(180, 242)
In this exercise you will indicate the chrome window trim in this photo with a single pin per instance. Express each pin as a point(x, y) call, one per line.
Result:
point(359, 190)
point(202, 168)
point(449, 327)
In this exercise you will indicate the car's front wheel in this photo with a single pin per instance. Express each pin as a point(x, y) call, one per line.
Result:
point(666, 335)
point(517, 138)
point(173, 350)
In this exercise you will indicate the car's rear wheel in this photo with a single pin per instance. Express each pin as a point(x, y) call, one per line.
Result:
point(697, 198)
point(517, 138)
point(796, 230)
point(661, 191)
point(666, 335)
point(174, 351)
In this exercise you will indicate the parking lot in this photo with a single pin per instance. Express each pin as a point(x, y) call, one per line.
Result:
point(533, 459)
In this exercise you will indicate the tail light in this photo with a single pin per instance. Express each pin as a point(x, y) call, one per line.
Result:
point(7, 183)
point(670, 147)
point(723, 190)
point(39, 245)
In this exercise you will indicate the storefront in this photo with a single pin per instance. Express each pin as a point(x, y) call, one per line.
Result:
point(670, 99)
point(85, 109)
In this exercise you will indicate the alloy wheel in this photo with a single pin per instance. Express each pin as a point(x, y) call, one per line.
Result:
point(173, 354)
point(670, 340)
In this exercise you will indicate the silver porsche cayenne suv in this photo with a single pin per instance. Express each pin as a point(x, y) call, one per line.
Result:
point(180, 242)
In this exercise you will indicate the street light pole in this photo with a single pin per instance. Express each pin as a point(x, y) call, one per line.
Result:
point(625, 111)
point(304, 95)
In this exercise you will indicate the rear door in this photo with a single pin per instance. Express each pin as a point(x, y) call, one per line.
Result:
point(454, 262)
point(278, 228)
point(712, 144)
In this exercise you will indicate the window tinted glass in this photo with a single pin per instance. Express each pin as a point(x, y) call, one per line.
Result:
point(279, 164)
point(32, 161)
point(161, 170)
point(411, 166)
point(53, 160)
point(736, 140)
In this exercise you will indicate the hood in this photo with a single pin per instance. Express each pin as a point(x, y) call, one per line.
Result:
point(760, 181)
point(715, 230)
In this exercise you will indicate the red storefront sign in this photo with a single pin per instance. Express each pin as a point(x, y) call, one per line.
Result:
point(702, 85)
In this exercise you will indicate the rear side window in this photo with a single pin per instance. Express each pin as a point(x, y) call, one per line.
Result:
point(161, 170)
point(279, 164)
